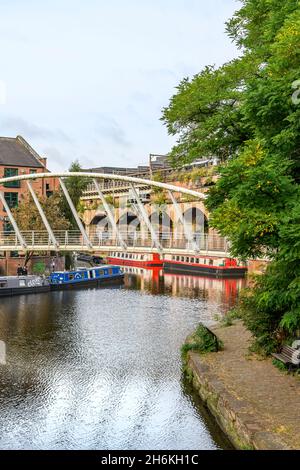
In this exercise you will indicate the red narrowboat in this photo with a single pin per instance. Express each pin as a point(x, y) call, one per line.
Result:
point(142, 260)
point(207, 265)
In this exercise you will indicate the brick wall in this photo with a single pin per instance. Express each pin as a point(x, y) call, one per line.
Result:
point(8, 266)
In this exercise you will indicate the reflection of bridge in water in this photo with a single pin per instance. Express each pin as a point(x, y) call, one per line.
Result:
point(146, 237)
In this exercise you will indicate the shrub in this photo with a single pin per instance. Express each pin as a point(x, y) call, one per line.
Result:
point(159, 198)
point(231, 315)
point(202, 341)
point(39, 268)
point(280, 365)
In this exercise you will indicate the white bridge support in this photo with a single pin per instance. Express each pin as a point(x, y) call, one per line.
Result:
point(43, 216)
point(13, 222)
point(110, 215)
point(76, 216)
point(145, 219)
point(186, 230)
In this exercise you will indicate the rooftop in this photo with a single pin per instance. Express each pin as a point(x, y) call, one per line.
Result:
point(15, 151)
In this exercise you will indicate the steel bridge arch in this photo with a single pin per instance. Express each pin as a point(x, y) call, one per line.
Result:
point(128, 179)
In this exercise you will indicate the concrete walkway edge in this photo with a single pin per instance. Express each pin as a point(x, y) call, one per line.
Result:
point(241, 394)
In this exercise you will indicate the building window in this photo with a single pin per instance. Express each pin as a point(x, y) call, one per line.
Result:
point(48, 190)
point(7, 227)
point(11, 199)
point(9, 172)
point(32, 172)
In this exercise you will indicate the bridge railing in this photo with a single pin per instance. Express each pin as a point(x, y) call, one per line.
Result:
point(108, 185)
point(40, 240)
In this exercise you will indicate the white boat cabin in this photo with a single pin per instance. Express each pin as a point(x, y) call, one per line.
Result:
point(201, 260)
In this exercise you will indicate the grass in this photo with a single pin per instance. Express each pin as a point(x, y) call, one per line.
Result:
point(280, 365)
point(202, 341)
point(229, 318)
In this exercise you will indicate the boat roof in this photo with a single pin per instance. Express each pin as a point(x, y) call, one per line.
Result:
point(91, 269)
point(103, 266)
point(29, 276)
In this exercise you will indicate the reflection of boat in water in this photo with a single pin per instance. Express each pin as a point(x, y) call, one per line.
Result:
point(143, 260)
point(86, 277)
point(140, 271)
point(223, 290)
point(19, 285)
point(158, 281)
point(204, 265)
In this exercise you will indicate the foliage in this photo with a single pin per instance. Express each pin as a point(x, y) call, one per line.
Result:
point(27, 215)
point(230, 317)
point(280, 365)
point(94, 206)
point(188, 198)
point(159, 178)
point(243, 112)
point(202, 341)
point(112, 201)
point(75, 186)
point(159, 198)
point(81, 207)
point(39, 268)
point(205, 113)
point(197, 175)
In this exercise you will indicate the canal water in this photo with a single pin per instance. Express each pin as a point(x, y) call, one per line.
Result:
point(101, 368)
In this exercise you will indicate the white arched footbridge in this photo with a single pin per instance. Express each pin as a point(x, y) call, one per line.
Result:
point(115, 239)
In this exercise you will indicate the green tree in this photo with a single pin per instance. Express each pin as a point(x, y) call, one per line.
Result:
point(28, 217)
point(205, 113)
point(75, 186)
point(251, 122)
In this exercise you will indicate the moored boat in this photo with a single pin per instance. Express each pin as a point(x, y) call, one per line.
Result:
point(19, 285)
point(142, 260)
point(85, 277)
point(208, 265)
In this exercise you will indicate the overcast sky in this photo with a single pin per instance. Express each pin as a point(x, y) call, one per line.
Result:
point(87, 79)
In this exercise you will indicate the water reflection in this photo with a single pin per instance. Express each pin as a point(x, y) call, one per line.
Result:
point(100, 368)
point(222, 292)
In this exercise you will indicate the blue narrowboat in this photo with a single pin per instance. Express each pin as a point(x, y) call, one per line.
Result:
point(85, 277)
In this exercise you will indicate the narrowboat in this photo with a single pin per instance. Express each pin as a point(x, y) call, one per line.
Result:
point(139, 260)
point(19, 285)
point(207, 265)
point(85, 277)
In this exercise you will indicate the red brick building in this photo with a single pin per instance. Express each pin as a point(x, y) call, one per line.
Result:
point(17, 157)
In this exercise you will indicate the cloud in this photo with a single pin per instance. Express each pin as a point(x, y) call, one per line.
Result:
point(108, 128)
point(13, 35)
point(58, 160)
point(141, 97)
point(54, 155)
point(18, 125)
point(94, 90)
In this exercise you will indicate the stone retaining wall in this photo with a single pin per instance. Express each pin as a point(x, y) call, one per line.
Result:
point(243, 428)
